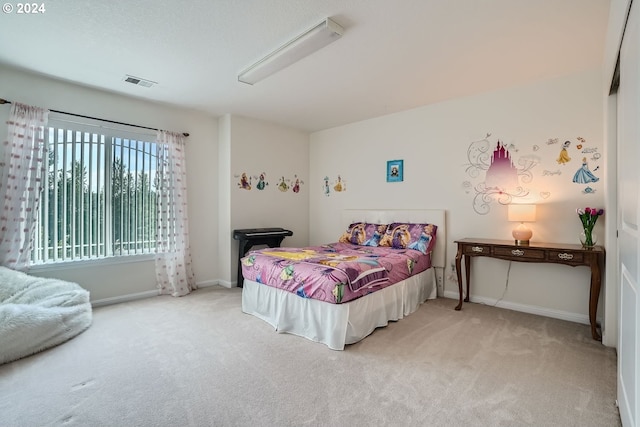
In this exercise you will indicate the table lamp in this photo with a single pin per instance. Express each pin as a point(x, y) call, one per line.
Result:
point(522, 213)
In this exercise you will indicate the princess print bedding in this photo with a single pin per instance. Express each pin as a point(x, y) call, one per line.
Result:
point(337, 272)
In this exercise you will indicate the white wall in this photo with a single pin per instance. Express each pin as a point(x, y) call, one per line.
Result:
point(217, 150)
point(433, 142)
point(107, 281)
point(225, 241)
point(253, 147)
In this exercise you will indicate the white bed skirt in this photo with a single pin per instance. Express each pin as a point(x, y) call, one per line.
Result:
point(337, 324)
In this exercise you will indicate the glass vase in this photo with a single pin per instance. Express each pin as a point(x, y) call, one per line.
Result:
point(588, 238)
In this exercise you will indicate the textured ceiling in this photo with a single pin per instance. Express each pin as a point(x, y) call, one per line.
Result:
point(394, 54)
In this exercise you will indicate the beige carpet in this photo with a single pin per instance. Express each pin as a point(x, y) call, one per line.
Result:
point(199, 361)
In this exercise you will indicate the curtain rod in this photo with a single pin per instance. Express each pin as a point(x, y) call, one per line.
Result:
point(4, 101)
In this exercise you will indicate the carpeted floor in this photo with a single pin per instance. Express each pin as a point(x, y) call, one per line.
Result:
point(199, 361)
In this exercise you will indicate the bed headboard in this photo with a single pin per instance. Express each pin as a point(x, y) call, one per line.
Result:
point(380, 216)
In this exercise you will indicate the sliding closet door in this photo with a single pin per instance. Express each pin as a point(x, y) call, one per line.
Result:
point(629, 220)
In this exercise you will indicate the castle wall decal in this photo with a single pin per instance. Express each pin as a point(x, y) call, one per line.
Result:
point(502, 173)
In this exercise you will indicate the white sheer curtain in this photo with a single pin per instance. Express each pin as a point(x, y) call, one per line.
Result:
point(22, 166)
point(173, 258)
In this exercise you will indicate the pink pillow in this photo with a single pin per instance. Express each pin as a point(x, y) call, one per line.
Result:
point(363, 234)
point(421, 237)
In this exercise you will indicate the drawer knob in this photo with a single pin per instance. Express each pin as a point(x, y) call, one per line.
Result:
point(565, 256)
point(517, 252)
point(476, 249)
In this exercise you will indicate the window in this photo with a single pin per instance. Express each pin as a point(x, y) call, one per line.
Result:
point(99, 194)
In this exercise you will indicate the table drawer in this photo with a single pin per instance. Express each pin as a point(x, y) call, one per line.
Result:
point(520, 252)
point(476, 249)
point(566, 256)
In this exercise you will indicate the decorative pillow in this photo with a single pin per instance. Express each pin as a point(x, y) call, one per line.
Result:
point(421, 237)
point(363, 234)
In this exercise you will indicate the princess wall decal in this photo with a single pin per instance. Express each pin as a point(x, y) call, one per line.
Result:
point(584, 175)
point(262, 183)
point(245, 182)
point(283, 186)
point(297, 183)
point(564, 154)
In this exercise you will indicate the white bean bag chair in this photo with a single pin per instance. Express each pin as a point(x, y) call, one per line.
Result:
point(38, 313)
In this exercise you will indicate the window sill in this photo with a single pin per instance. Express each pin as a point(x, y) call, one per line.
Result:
point(87, 263)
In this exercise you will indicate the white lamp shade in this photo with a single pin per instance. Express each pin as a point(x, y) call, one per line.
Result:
point(522, 213)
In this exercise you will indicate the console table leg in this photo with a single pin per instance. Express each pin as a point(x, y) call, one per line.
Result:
point(467, 271)
point(594, 296)
point(459, 274)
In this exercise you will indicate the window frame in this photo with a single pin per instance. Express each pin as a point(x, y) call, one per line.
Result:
point(109, 135)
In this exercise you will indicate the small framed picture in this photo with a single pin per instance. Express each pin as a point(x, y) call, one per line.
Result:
point(395, 171)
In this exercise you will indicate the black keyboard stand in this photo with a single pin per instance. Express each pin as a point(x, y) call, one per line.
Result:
point(249, 237)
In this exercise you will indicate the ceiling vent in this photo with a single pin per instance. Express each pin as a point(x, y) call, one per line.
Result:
point(138, 81)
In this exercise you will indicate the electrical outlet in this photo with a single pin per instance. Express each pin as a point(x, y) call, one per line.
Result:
point(453, 275)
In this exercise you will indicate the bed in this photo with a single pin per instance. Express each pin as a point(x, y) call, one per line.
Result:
point(369, 294)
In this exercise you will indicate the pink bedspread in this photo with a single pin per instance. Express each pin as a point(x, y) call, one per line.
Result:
point(335, 273)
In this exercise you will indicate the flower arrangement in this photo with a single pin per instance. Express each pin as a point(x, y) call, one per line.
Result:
point(589, 216)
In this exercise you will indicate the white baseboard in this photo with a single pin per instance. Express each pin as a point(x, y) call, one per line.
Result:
point(147, 294)
point(124, 298)
point(227, 284)
point(207, 283)
point(531, 309)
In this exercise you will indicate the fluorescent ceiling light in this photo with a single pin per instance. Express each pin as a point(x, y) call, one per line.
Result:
point(315, 39)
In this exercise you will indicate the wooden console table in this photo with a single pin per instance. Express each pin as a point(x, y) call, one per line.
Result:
point(572, 255)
